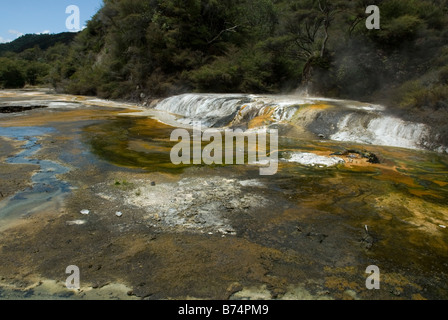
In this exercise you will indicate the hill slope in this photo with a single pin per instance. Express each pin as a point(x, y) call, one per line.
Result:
point(43, 41)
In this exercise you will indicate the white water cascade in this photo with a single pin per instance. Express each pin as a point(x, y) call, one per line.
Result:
point(382, 130)
point(210, 109)
point(342, 121)
point(218, 110)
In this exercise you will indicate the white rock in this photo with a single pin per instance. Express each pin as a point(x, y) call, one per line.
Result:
point(311, 159)
point(251, 183)
point(118, 214)
point(442, 226)
point(76, 222)
point(85, 212)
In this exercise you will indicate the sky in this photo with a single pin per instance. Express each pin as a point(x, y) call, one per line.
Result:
point(19, 17)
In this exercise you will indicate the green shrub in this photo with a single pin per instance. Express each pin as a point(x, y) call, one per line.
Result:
point(400, 29)
point(36, 72)
point(11, 74)
point(414, 96)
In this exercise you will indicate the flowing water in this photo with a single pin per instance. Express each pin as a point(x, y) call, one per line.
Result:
point(348, 211)
point(337, 120)
point(46, 187)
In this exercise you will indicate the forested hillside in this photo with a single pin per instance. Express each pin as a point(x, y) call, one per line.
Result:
point(43, 41)
point(136, 49)
point(29, 59)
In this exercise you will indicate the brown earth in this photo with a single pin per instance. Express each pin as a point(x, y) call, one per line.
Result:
point(293, 247)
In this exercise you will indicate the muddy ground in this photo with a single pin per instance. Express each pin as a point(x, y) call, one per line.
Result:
point(205, 233)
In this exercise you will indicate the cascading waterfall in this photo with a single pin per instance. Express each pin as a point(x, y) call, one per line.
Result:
point(219, 110)
point(210, 109)
point(382, 130)
point(340, 121)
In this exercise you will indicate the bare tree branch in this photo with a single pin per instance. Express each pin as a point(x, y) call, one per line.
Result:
point(354, 24)
point(232, 29)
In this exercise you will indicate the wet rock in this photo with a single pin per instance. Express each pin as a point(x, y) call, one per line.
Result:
point(367, 240)
point(319, 237)
point(370, 156)
point(396, 291)
point(17, 108)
